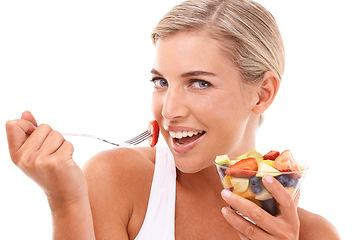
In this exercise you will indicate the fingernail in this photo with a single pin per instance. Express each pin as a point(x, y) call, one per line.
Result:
point(268, 178)
point(224, 211)
point(225, 194)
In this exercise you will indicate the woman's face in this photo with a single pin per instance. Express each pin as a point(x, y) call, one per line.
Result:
point(200, 101)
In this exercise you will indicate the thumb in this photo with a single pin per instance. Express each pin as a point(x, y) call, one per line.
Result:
point(29, 117)
point(18, 131)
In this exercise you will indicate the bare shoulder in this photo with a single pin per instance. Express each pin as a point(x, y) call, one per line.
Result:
point(118, 181)
point(116, 165)
point(314, 226)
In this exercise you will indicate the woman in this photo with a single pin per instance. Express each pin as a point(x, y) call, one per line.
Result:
point(218, 67)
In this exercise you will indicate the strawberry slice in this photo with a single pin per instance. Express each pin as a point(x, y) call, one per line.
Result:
point(153, 128)
point(285, 162)
point(272, 155)
point(244, 168)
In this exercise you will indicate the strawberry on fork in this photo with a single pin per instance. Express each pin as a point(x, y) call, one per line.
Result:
point(154, 130)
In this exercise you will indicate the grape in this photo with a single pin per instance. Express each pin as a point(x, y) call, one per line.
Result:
point(255, 184)
point(254, 181)
point(270, 206)
point(283, 179)
point(292, 182)
point(287, 181)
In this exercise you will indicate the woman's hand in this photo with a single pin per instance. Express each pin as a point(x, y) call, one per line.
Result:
point(286, 225)
point(44, 155)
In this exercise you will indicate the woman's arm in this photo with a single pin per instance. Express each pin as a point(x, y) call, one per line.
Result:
point(73, 220)
point(313, 226)
point(44, 156)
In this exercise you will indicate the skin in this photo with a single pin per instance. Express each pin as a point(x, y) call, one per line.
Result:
point(44, 155)
point(195, 87)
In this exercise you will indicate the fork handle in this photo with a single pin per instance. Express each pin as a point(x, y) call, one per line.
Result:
point(91, 136)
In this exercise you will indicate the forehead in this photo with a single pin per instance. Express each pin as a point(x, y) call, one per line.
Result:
point(183, 39)
point(184, 51)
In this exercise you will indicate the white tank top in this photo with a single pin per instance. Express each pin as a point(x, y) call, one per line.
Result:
point(159, 222)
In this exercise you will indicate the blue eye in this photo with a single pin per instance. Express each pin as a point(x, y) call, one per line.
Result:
point(200, 84)
point(159, 82)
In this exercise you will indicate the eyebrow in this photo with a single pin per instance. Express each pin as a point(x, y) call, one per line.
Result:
point(187, 74)
point(154, 71)
point(197, 73)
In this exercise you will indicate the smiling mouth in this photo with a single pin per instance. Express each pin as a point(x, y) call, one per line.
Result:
point(185, 137)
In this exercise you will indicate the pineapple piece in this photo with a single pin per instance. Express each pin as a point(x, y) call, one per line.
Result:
point(226, 182)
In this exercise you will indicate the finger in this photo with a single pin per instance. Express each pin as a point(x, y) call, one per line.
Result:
point(17, 132)
point(242, 236)
point(245, 228)
point(62, 158)
point(29, 117)
point(36, 139)
point(250, 210)
point(65, 150)
point(286, 203)
point(52, 143)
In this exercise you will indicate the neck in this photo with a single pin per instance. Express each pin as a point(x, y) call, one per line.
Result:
point(205, 182)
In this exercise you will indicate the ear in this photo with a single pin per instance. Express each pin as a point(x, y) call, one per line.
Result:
point(266, 92)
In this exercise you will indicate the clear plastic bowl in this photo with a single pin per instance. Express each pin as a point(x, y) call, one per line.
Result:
point(252, 188)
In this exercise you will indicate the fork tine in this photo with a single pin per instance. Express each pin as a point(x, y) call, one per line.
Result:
point(140, 136)
point(138, 139)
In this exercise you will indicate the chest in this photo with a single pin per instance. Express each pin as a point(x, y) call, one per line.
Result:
point(200, 218)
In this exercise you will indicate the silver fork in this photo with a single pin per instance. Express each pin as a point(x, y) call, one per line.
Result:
point(133, 141)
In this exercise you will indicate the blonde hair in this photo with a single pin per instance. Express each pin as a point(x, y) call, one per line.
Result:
point(246, 31)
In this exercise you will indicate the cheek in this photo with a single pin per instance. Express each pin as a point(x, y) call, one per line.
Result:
point(230, 108)
point(230, 117)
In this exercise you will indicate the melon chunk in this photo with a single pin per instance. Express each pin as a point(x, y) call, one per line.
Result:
point(223, 160)
point(265, 169)
point(240, 184)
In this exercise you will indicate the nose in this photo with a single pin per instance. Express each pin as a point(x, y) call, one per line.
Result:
point(175, 105)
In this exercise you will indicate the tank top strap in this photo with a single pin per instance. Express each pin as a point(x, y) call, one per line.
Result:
point(159, 222)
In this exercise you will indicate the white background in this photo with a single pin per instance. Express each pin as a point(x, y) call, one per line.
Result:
point(83, 66)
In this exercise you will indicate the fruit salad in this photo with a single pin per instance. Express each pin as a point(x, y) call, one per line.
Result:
point(243, 175)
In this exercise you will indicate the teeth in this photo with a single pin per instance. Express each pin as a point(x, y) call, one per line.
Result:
point(172, 134)
point(182, 134)
point(178, 135)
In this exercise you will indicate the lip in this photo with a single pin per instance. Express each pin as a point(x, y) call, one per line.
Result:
point(186, 147)
point(182, 149)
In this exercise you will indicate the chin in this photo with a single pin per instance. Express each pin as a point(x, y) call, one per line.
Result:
point(192, 163)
